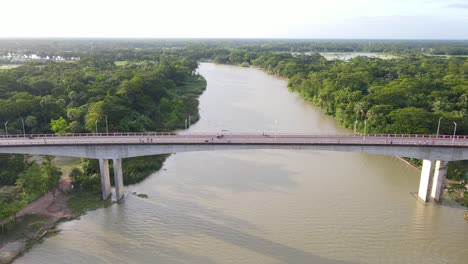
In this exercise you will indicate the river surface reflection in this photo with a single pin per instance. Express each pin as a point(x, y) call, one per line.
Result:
point(265, 206)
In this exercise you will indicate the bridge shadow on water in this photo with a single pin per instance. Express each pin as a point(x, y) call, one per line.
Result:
point(230, 170)
point(193, 220)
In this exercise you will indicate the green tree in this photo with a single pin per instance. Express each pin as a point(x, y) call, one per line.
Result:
point(32, 183)
point(12, 165)
point(59, 126)
point(50, 172)
point(411, 120)
point(9, 209)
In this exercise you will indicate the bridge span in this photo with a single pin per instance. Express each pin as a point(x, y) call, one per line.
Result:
point(436, 151)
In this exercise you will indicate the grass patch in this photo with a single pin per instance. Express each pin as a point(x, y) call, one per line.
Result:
point(7, 191)
point(66, 163)
point(82, 201)
point(8, 66)
point(125, 63)
point(137, 169)
point(120, 63)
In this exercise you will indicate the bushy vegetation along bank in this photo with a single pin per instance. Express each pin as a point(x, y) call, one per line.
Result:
point(156, 92)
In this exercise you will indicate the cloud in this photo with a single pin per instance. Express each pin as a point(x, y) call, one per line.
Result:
point(458, 5)
point(391, 27)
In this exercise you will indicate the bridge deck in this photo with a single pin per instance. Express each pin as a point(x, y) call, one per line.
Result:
point(232, 138)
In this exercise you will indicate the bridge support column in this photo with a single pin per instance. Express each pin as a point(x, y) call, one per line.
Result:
point(427, 174)
point(439, 177)
point(118, 179)
point(105, 179)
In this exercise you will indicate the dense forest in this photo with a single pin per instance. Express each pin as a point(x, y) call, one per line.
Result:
point(70, 97)
point(94, 94)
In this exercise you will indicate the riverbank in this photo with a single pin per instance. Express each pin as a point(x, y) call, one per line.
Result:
point(409, 163)
point(33, 223)
point(40, 218)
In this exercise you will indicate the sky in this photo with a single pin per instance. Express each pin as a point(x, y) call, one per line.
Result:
point(336, 19)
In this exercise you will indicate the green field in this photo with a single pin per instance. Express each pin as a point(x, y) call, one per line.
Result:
point(8, 66)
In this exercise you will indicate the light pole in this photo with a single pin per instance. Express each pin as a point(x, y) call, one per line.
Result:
point(438, 127)
point(355, 125)
point(95, 124)
point(185, 123)
point(24, 130)
point(454, 131)
point(276, 129)
point(107, 127)
point(189, 120)
point(6, 128)
point(365, 129)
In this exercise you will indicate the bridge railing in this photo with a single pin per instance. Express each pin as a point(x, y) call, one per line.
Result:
point(185, 134)
point(237, 142)
point(245, 138)
point(89, 135)
point(221, 133)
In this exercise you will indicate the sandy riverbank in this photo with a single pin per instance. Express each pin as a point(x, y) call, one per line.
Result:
point(48, 210)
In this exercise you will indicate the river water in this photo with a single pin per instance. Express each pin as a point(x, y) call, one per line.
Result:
point(265, 206)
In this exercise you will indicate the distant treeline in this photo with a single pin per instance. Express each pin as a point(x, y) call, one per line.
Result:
point(74, 48)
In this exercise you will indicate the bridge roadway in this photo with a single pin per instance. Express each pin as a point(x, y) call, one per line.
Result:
point(436, 151)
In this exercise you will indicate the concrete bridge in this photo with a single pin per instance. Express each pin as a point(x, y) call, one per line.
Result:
point(436, 151)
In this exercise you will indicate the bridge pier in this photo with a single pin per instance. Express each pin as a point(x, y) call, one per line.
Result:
point(439, 177)
point(431, 184)
point(427, 175)
point(118, 179)
point(105, 179)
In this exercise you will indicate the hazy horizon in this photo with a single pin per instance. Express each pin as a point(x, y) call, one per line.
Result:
point(241, 19)
point(233, 38)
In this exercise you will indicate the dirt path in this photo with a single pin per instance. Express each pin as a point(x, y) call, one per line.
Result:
point(50, 206)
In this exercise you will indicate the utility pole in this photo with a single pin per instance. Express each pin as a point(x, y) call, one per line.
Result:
point(454, 131)
point(24, 130)
point(107, 127)
point(365, 129)
point(276, 129)
point(438, 127)
point(355, 125)
point(6, 128)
